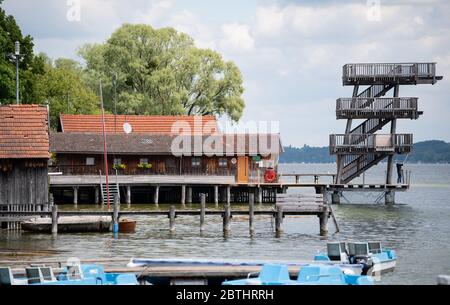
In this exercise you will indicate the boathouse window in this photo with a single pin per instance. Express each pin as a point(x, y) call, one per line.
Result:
point(90, 161)
point(170, 163)
point(223, 162)
point(196, 162)
point(143, 161)
point(117, 161)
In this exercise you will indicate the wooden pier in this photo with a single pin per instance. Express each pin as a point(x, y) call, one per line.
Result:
point(289, 206)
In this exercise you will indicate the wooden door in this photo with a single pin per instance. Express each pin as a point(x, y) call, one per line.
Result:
point(242, 166)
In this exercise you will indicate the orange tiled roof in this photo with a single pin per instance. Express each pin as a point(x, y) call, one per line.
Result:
point(23, 132)
point(139, 123)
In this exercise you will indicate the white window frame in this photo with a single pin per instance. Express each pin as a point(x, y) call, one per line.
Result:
point(90, 161)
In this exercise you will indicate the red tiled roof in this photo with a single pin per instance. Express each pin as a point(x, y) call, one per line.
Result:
point(23, 132)
point(139, 123)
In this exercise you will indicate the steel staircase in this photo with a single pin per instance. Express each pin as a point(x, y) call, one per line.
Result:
point(359, 150)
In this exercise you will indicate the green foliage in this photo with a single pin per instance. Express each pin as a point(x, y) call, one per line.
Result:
point(160, 71)
point(63, 86)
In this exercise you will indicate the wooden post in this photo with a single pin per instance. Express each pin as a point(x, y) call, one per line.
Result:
point(216, 195)
point(156, 195)
point(279, 220)
point(324, 222)
point(251, 212)
point(260, 195)
point(227, 218)
point(228, 195)
point(116, 214)
point(97, 195)
point(172, 218)
point(51, 202)
point(389, 197)
point(335, 198)
point(75, 195)
point(129, 195)
point(183, 194)
point(189, 195)
point(54, 219)
point(202, 211)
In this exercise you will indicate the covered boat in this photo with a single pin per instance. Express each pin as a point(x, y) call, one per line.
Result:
point(69, 224)
point(77, 275)
point(351, 269)
point(371, 255)
point(308, 275)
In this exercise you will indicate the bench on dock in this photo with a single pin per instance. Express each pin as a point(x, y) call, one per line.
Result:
point(301, 202)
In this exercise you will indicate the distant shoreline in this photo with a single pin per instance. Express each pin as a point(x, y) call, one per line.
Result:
point(427, 152)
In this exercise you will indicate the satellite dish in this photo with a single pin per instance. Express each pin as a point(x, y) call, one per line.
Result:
point(127, 128)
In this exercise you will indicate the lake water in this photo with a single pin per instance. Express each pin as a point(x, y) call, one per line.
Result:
point(418, 228)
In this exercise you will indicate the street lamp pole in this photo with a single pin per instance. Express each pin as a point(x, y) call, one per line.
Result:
point(16, 57)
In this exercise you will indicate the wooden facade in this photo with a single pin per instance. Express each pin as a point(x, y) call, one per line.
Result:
point(23, 182)
point(24, 155)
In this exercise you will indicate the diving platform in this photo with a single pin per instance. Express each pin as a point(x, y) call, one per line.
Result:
point(389, 73)
point(370, 143)
point(369, 108)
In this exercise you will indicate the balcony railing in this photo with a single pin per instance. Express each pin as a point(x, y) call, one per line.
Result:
point(369, 73)
point(370, 143)
point(73, 170)
point(364, 108)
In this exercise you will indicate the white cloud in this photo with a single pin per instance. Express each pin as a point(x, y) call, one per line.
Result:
point(237, 38)
point(269, 20)
point(187, 22)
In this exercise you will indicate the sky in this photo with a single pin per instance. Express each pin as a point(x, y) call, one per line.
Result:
point(290, 53)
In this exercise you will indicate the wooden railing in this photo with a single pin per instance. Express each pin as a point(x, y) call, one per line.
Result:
point(94, 170)
point(366, 70)
point(360, 143)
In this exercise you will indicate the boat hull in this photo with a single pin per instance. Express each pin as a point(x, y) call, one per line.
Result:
point(127, 226)
point(68, 225)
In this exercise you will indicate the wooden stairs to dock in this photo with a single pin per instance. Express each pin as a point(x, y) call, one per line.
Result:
point(113, 189)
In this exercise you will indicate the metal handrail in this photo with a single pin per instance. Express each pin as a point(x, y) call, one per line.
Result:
point(379, 104)
point(365, 70)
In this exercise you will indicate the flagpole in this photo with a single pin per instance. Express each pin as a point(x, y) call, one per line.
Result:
point(105, 157)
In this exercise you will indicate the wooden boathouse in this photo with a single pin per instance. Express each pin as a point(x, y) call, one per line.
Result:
point(24, 154)
point(144, 167)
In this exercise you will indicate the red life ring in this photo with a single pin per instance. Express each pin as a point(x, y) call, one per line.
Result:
point(270, 176)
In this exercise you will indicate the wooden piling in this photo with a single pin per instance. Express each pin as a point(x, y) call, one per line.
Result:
point(227, 218)
point(251, 212)
point(189, 195)
point(116, 214)
point(202, 211)
point(129, 195)
point(156, 195)
point(54, 219)
point(97, 195)
point(228, 195)
point(183, 194)
point(279, 220)
point(172, 218)
point(216, 195)
point(75, 195)
point(323, 218)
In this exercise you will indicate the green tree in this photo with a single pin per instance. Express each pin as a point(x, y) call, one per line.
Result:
point(64, 88)
point(160, 71)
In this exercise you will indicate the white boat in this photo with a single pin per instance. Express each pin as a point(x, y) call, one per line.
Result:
point(371, 255)
point(349, 269)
